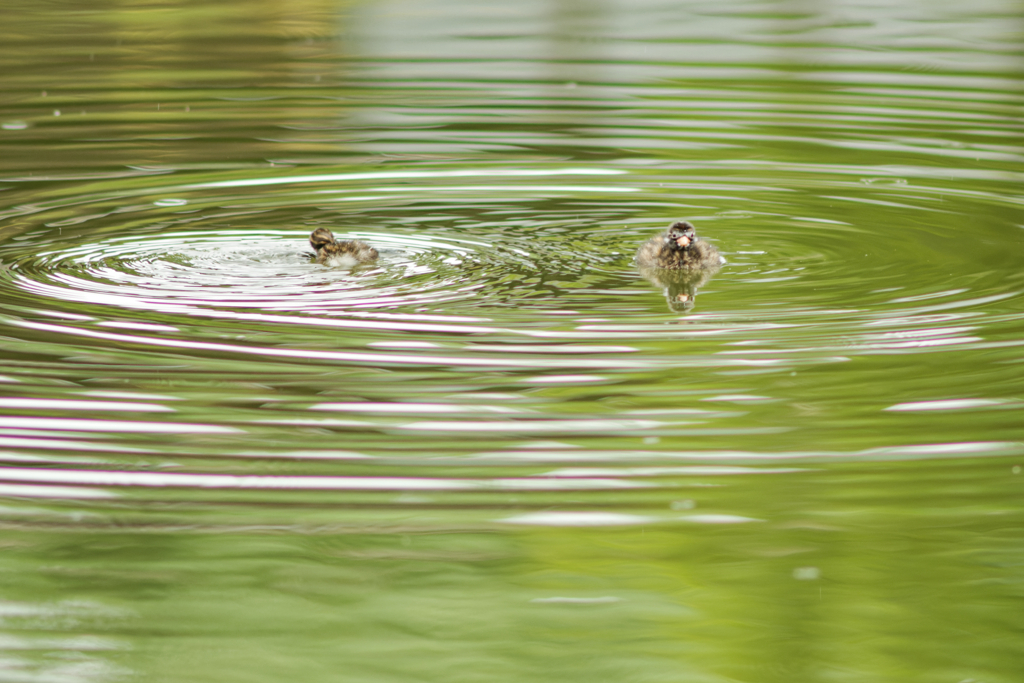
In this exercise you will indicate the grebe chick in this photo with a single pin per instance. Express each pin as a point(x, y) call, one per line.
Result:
point(347, 253)
point(678, 248)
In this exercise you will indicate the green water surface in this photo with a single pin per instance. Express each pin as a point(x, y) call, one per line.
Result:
point(502, 453)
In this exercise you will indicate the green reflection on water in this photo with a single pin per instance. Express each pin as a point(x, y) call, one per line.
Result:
point(849, 577)
point(484, 461)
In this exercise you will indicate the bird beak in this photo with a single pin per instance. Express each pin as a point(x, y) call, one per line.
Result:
point(683, 241)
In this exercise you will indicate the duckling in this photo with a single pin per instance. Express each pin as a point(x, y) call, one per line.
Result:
point(678, 248)
point(347, 253)
point(679, 262)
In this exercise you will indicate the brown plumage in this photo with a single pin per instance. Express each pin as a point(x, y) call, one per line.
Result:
point(678, 248)
point(679, 262)
point(347, 253)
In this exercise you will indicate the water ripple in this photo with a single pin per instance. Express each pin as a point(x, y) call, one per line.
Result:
point(165, 324)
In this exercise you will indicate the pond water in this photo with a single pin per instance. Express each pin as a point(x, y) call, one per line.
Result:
point(502, 453)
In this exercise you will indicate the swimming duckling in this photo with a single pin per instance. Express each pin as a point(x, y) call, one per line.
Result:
point(678, 248)
point(679, 262)
point(347, 253)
